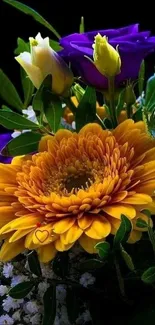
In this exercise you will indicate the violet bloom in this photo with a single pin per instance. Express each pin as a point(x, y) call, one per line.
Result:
point(133, 47)
point(4, 139)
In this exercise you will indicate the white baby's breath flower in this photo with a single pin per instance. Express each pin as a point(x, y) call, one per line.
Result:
point(7, 270)
point(3, 290)
point(42, 287)
point(17, 315)
point(10, 303)
point(87, 279)
point(18, 279)
point(47, 271)
point(6, 320)
point(60, 293)
point(32, 307)
point(35, 319)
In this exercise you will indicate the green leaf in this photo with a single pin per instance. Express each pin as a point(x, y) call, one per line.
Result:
point(60, 264)
point(150, 93)
point(12, 120)
point(107, 123)
point(34, 264)
point(141, 77)
point(127, 259)
point(21, 290)
point(53, 110)
point(28, 87)
point(138, 115)
point(22, 46)
point(141, 223)
point(149, 275)
point(49, 306)
point(81, 28)
point(55, 45)
point(123, 232)
point(90, 265)
point(23, 144)
point(103, 248)
point(121, 101)
point(86, 110)
point(73, 306)
point(9, 93)
point(29, 11)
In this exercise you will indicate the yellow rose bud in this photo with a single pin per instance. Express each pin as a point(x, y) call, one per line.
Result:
point(42, 61)
point(106, 58)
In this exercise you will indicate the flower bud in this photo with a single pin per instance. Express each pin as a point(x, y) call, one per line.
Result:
point(129, 97)
point(78, 91)
point(42, 61)
point(106, 58)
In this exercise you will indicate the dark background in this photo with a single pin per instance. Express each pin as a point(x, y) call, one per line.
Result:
point(65, 17)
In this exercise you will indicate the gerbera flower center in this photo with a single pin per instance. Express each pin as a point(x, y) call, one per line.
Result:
point(77, 182)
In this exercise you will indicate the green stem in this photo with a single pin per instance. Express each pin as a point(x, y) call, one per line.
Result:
point(129, 111)
point(120, 279)
point(112, 107)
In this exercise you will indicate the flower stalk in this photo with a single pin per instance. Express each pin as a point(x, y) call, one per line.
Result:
point(112, 108)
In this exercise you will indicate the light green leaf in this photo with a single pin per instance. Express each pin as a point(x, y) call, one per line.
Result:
point(141, 77)
point(103, 249)
point(11, 121)
point(82, 28)
point(9, 93)
point(149, 275)
point(28, 87)
point(141, 223)
point(121, 101)
point(29, 11)
point(23, 144)
point(150, 94)
point(22, 46)
point(123, 232)
point(127, 259)
point(86, 110)
point(55, 45)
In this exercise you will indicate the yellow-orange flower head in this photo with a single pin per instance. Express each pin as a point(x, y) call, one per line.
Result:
point(75, 189)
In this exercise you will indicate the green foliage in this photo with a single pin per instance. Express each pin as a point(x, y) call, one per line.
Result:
point(28, 88)
point(121, 101)
point(60, 264)
point(123, 232)
point(73, 306)
point(49, 300)
point(103, 249)
point(22, 46)
point(34, 264)
point(149, 275)
point(82, 27)
point(11, 121)
point(90, 265)
point(141, 77)
point(150, 94)
point(86, 110)
point(127, 259)
point(29, 11)
point(9, 93)
point(21, 290)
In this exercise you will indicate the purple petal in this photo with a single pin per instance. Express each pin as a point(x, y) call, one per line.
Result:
point(4, 139)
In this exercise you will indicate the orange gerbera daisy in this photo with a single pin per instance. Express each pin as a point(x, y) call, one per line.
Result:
point(75, 189)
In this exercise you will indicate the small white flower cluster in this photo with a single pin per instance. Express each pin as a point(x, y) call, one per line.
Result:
point(29, 310)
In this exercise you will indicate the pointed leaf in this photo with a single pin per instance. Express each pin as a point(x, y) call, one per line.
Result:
point(21, 290)
point(25, 143)
point(29, 11)
point(22, 46)
point(34, 264)
point(149, 275)
point(150, 93)
point(12, 120)
point(53, 109)
point(141, 77)
point(86, 110)
point(127, 259)
point(141, 223)
point(103, 249)
point(73, 306)
point(55, 45)
point(123, 232)
point(49, 306)
point(9, 93)
point(28, 87)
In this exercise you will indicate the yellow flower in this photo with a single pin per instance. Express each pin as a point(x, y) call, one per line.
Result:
point(75, 189)
point(106, 58)
point(43, 60)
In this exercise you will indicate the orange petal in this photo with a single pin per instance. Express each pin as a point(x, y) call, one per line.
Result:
point(85, 221)
point(93, 128)
point(134, 236)
point(88, 244)
point(117, 209)
point(119, 196)
point(9, 250)
point(138, 198)
point(61, 226)
point(99, 228)
point(46, 253)
point(71, 235)
point(62, 134)
point(43, 144)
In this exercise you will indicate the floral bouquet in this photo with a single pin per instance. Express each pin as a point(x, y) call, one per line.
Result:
point(77, 179)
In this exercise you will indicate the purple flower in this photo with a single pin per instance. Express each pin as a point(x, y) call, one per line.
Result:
point(4, 139)
point(133, 47)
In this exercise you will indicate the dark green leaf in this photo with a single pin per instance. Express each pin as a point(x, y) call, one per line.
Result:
point(127, 259)
point(21, 290)
point(103, 249)
point(138, 115)
point(53, 110)
point(149, 275)
point(123, 232)
point(28, 88)
point(6, 108)
point(86, 110)
point(8, 92)
point(11, 121)
point(121, 101)
point(73, 306)
point(141, 77)
point(29, 11)
point(55, 45)
point(81, 29)
point(60, 264)
point(141, 223)
point(150, 93)
point(22, 46)
point(90, 265)
point(146, 212)
point(34, 264)
point(107, 123)
point(23, 144)
point(49, 306)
